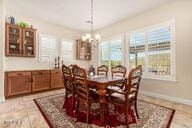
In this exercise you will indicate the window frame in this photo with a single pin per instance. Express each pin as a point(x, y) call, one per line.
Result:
point(39, 46)
point(120, 36)
point(58, 47)
point(146, 74)
point(60, 53)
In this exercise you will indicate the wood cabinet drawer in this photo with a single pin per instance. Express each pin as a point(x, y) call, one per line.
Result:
point(18, 73)
point(42, 72)
point(56, 71)
point(56, 79)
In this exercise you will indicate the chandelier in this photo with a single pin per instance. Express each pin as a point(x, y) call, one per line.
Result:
point(94, 40)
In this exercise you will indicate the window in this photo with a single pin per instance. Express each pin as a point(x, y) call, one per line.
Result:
point(47, 47)
point(111, 54)
point(159, 50)
point(66, 52)
point(50, 47)
point(105, 53)
point(153, 48)
point(137, 50)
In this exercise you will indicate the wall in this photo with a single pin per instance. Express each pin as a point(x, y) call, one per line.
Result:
point(20, 63)
point(180, 11)
point(2, 38)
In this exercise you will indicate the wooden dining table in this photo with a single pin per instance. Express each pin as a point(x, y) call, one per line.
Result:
point(101, 82)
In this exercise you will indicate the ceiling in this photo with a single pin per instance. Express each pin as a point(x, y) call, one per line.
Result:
point(75, 13)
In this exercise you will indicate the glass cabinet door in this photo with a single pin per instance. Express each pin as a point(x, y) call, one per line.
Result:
point(14, 41)
point(29, 42)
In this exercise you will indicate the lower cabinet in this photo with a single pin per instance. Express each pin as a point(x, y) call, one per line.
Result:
point(18, 83)
point(56, 79)
point(41, 80)
point(22, 82)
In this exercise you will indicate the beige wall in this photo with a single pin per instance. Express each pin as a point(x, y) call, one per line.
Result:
point(180, 11)
point(2, 22)
point(19, 63)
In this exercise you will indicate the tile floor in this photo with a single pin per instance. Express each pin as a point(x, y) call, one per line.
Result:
point(22, 112)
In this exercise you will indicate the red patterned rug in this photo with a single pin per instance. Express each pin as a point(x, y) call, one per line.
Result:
point(114, 118)
point(59, 116)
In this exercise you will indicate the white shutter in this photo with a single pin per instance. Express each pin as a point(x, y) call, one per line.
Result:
point(115, 50)
point(105, 50)
point(111, 52)
point(47, 47)
point(159, 38)
point(137, 49)
point(67, 52)
point(159, 50)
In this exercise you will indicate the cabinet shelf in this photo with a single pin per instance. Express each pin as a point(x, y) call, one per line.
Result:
point(14, 34)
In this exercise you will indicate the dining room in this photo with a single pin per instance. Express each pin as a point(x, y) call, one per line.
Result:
point(95, 63)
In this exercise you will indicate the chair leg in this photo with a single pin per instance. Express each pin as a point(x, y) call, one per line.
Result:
point(66, 95)
point(135, 106)
point(117, 109)
point(88, 111)
point(107, 109)
point(77, 107)
point(126, 116)
point(73, 102)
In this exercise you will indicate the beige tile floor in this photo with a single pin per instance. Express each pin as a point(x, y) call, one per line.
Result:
point(22, 112)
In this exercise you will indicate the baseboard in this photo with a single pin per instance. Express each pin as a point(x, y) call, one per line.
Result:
point(175, 99)
point(2, 99)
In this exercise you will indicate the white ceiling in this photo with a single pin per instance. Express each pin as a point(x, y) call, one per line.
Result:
point(74, 13)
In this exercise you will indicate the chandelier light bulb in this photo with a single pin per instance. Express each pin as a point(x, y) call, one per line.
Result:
point(83, 38)
point(97, 38)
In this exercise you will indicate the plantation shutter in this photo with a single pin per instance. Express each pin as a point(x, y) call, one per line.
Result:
point(66, 52)
point(115, 47)
point(159, 38)
point(105, 50)
point(137, 49)
point(137, 42)
point(47, 48)
point(159, 50)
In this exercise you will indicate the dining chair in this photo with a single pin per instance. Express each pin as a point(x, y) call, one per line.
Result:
point(68, 84)
point(118, 70)
point(102, 70)
point(71, 66)
point(128, 97)
point(84, 94)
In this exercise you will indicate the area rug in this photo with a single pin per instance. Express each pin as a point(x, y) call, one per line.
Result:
point(59, 116)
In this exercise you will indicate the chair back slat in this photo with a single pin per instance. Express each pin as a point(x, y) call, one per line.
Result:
point(67, 77)
point(80, 81)
point(134, 80)
point(102, 70)
point(118, 70)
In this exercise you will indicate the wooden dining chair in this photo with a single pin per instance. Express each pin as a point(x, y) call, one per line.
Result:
point(102, 70)
point(68, 84)
point(118, 70)
point(128, 97)
point(71, 66)
point(84, 94)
